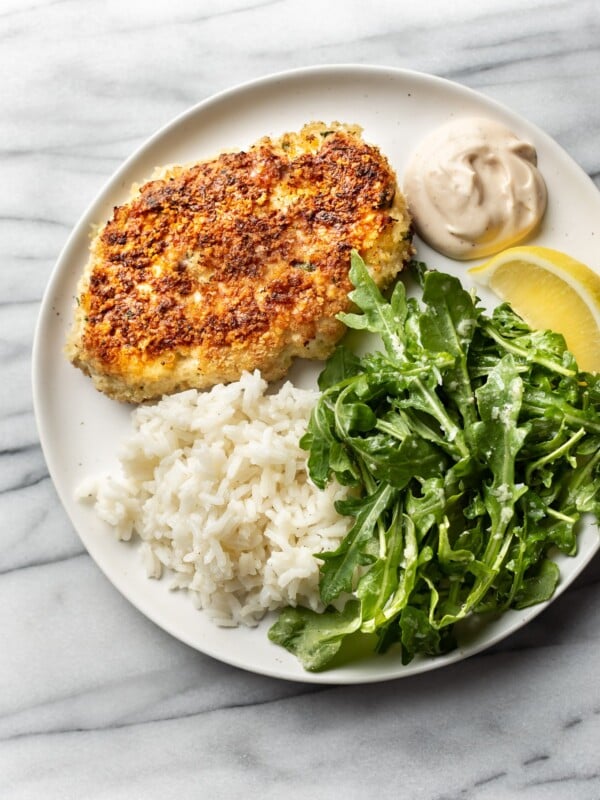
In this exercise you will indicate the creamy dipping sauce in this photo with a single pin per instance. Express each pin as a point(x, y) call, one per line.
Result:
point(474, 188)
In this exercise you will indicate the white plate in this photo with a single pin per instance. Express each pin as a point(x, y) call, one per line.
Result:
point(80, 429)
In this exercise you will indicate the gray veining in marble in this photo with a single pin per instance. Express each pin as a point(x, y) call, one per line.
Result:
point(95, 700)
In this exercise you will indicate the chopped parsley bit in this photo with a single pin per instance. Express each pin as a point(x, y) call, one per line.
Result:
point(304, 265)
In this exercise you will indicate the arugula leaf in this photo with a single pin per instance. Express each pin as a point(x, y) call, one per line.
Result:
point(315, 638)
point(472, 444)
point(379, 583)
point(539, 587)
point(413, 558)
point(420, 636)
point(341, 365)
point(340, 565)
point(448, 325)
point(378, 315)
point(498, 439)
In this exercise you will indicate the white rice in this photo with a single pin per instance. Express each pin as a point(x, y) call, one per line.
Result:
point(215, 485)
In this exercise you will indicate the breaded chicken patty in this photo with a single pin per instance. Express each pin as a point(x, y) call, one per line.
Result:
point(236, 263)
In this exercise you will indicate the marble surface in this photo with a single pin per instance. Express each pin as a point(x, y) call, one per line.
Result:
point(95, 700)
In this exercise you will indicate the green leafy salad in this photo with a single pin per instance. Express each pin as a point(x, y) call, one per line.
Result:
point(471, 444)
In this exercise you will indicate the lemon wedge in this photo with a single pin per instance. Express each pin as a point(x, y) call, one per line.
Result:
point(549, 290)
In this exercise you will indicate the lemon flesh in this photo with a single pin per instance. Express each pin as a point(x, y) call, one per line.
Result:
point(549, 290)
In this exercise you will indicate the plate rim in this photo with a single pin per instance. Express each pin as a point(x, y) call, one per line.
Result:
point(336, 676)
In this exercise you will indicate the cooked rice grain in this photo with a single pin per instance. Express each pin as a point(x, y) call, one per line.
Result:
point(215, 485)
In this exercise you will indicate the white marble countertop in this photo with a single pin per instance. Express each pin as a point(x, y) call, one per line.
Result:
point(95, 700)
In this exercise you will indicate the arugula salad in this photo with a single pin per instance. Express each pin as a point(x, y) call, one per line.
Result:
point(471, 446)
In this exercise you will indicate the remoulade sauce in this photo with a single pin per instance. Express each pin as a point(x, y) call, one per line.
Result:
point(473, 188)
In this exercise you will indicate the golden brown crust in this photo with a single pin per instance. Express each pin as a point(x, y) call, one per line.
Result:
point(236, 263)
